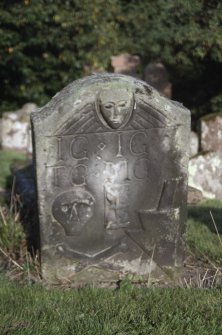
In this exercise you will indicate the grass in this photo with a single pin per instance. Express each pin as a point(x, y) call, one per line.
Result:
point(203, 236)
point(34, 310)
point(8, 157)
point(15, 258)
point(12, 235)
point(14, 254)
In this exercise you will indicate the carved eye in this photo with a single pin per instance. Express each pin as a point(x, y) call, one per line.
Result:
point(64, 208)
point(108, 106)
point(122, 104)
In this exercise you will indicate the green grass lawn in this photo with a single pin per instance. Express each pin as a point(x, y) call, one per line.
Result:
point(34, 310)
point(204, 232)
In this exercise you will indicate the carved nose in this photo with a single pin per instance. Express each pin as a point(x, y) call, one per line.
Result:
point(116, 111)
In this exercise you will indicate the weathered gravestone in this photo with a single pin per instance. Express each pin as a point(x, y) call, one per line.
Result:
point(156, 75)
point(126, 64)
point(111, 163)
point(211, 132)
point(194, 143)
point(16, 133)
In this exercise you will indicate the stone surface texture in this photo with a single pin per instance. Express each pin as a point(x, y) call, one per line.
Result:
point(111, 159)
point(156, 75)
point(194, 144)
point(211, 132)
point(126, 64)
point(16, 131)
point(194, 195)
point(205, 173)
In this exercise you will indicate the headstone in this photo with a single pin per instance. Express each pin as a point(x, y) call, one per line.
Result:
point(194, 144)
point(194, 196)
point(111, 163)
point(205, 174)
point(126, 64)
point(156, 75)
point(211, 132)
point(16, 132)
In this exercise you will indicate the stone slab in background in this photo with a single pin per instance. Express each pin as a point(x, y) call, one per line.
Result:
point(111, 163)
point(194, 144)
point(126, 64)
point(194, 196)
point(205, 173)
point(211, 132)
point(156, 75)
point(16, 132)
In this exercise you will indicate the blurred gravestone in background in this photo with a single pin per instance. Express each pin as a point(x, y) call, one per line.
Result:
point(211, 133)
point(126, 64)
point(15, 129)
point(156, 75)
point(194, 143)
point(111, 164)
point(205, 169)
point(205, 174)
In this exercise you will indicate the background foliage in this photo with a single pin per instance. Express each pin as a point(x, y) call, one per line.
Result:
point(45, 44)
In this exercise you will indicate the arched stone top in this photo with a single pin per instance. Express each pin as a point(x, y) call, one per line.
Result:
point(79, 107)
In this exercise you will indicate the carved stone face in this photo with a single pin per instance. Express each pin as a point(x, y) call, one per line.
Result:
point(116, 106)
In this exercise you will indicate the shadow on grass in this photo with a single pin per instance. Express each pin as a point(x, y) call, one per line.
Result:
point(201, 213)
point(25, 189)
point(21, 198)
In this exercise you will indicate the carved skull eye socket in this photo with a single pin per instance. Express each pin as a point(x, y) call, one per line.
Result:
point(64, 208)
point(122, 104)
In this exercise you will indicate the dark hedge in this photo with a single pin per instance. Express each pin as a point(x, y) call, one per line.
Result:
point(45, 44)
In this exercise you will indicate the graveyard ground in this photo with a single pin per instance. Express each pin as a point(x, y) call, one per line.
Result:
point(34, 310)
point(27, 307)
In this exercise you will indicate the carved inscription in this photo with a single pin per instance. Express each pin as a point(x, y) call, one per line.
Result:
point(138, 143)
point(113, 151)
point(78, 175)
point(141, 168)
point(59, 175)
point(79, 147)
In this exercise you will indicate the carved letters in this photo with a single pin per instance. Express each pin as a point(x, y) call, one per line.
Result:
point(138, 143)
point(79, 147)
point(78, 175)
point(115, 172)
point(141, 168)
